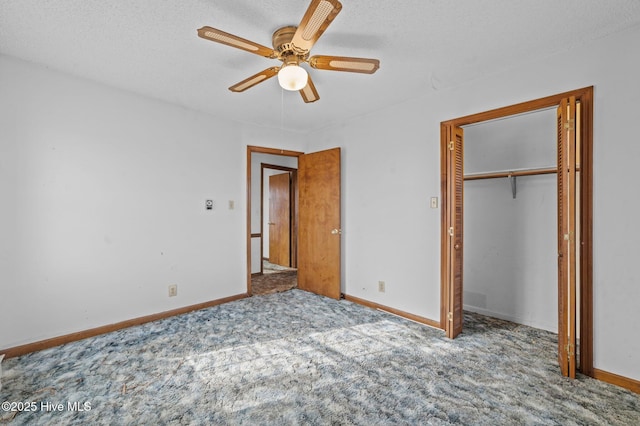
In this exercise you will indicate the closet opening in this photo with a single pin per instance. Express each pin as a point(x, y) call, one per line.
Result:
point(525, 174)
point(510, 209)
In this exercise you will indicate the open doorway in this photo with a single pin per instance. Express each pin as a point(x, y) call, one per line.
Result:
point(279, 216)
point(315, 230)
point(510, 215)
point(574, 117)
point(279, 219)
point(273, 222)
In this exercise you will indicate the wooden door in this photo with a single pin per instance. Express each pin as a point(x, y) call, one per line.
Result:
point(280, 219)
point(567, 236)
point(319, 231)
point(454, 146)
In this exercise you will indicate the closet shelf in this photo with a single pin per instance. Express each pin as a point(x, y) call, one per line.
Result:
point(512, 173)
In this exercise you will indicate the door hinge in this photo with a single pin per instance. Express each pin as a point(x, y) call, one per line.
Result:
point(451, 146)
point(450, 316)
point(569, 350)
point(451, 231)
point(569, 124)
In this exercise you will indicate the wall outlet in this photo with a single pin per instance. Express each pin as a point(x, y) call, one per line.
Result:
point(232, 204)
point(381, 286)
point(434, 202)
point(173, 290)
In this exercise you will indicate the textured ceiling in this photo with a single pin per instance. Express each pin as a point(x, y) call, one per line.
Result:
point(151, 47)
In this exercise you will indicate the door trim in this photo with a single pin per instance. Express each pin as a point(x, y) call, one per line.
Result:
point(585, 97)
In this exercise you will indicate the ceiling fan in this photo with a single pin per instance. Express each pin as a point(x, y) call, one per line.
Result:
point(291, 45)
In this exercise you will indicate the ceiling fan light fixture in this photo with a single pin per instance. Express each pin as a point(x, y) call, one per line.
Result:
point(292, 77)
point(292, 46)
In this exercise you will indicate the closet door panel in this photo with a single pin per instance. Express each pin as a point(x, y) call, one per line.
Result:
point(566, 236)
point(455, 194)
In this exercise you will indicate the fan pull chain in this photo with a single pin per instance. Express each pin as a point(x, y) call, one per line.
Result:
point(281, 113)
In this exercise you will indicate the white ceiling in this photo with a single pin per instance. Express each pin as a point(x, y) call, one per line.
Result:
point(151, 47)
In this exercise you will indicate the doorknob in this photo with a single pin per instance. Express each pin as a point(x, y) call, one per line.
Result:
point(336, 231)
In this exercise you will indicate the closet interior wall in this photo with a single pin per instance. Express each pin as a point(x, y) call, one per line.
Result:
point(510, 250)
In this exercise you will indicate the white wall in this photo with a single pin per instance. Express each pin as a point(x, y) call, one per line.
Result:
point(510, 245)
point(389, 171)
point(103, 204)
point(391, 167)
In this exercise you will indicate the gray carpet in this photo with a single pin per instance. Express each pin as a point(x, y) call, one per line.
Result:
point(297, 358)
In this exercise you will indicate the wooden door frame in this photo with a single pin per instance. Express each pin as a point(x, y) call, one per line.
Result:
point(293, 226)
point(585, 97)
point(258, 150)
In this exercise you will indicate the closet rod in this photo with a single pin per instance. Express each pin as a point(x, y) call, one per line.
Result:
point(514, 173)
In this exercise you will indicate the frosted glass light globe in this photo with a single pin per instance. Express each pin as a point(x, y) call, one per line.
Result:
point(292, 77)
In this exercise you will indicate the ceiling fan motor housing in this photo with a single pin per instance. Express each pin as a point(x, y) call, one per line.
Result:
point(287, 52)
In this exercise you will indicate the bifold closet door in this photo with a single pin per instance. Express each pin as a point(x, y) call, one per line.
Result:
point(454, 147)
point(567, 236)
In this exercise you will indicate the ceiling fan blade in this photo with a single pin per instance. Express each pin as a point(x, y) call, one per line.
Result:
point(254, 79)
point(309, 92)
point(218, 36)
point(314, 22)
point(343, 63)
